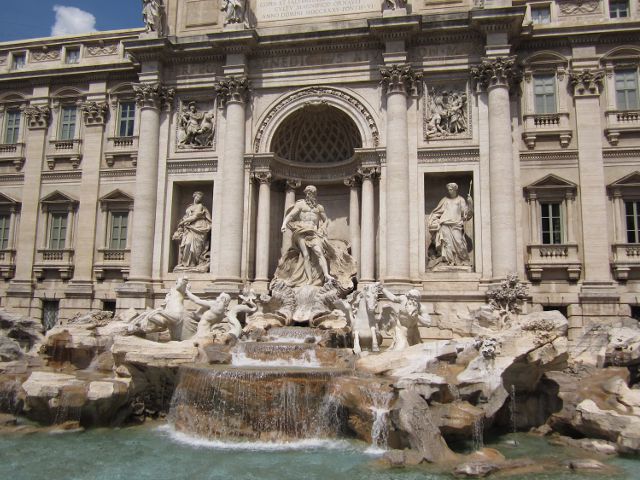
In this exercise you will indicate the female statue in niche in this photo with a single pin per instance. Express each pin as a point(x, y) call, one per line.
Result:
point(446, 225)
point(193, 232)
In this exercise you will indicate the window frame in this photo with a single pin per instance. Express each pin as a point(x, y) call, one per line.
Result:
point(61, 122)
point(545, 95)
point(14, 64)
point(616, 74)
point(130, 122)
point(552, 231)
point(75, 49)
point(626, 3)
point(16, 129)
point(5, 230)
point(636, 217)
point(112, 214)
point(61, 240)
point(540, 7)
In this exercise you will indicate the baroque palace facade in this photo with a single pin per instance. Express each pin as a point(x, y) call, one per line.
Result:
point(131, 158)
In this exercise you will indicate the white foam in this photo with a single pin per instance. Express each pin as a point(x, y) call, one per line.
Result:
point(306, 444)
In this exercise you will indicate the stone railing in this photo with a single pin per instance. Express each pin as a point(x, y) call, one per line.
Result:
point(49, 259)
point(121, 146)
point(13, 152)
point(7, 263)
point(626, 260)
point(557, 261)
point(64, 150)
point(112, 261)
point(619, 122)
point(547, 125)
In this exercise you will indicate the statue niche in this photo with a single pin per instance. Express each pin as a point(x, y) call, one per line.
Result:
point(448, 225)
point(193, 234)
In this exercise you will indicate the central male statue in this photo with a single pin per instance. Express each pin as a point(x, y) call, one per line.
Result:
point(313, 259)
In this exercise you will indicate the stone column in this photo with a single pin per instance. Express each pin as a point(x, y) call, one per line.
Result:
point(289, 200)
point(94, 115)
point(354, 218)
point(497, 75)
point(20, 290)
point(618, 220)
point(397, 82)
point(593, 198)
point(150, 98)
point(263, 226)
point(368, 226)
point(232, 92)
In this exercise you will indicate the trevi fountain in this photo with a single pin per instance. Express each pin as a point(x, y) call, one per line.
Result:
point(317, 370)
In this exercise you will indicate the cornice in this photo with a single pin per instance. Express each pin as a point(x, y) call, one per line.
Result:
point(63, 72)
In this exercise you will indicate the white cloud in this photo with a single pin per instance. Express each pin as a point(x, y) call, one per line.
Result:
point(72, 20)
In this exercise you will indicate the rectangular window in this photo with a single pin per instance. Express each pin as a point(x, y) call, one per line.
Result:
point(58, 230)
point(626, 89)
point(19, 61)
point(541, 15)
point(118, 236)
point(68, 123)
point(4, 231)
point(109, 306)
point(50, 309)
point(551, 224)
point(12, 127)
point(632, 212)
point(544, 90)
point(618, 8)
point(126, 121)
point(72, 55)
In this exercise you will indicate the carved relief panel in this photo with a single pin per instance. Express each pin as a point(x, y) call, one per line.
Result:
point(446, 111)
point(196, 125)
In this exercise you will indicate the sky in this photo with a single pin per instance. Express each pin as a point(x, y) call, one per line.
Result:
point(22, 19)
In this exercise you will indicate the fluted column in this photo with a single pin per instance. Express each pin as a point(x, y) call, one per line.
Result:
point(353, 183)
point(289, 200)
point(94, 115)
point(150, 99)
point(263, 225)
point(497, 75)
point(232, 93)
point(397, 82)
point(367, 225)
point(593, 200)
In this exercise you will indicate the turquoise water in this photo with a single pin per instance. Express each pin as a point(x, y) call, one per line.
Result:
point(158, 453)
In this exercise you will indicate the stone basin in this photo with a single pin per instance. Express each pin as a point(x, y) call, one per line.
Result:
point(272, 354)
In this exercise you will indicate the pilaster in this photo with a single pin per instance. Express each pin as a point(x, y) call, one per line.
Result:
point(37, 116)
point(263, 226)
point(368, 224)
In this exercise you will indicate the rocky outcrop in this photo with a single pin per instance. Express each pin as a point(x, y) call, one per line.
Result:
point(27, 332)
point(598, 403)
point(603, 345)
point(55, 398)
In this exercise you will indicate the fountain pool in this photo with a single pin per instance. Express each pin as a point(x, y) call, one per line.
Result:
point(159, 453)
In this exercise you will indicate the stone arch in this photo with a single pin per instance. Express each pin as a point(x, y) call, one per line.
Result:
point(15, 97)
point(624, 52)
point(545, 57)
point(344, 101)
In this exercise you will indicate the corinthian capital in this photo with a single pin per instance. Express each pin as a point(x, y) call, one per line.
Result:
point(400, 79)
point(153, 95)
point(501, 71)
point(94, 113)
point(232, 89)
point(586, 82)
point(263, 177)
point(37, 116)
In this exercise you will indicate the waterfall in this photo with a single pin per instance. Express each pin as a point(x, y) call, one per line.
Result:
point(478, 433)
point(275, 355)
point(380, 428)
point(512, 411)
point(267, 404)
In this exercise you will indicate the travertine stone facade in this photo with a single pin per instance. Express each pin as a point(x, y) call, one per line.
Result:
point(530, 108)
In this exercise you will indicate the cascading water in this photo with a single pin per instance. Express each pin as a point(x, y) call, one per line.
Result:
point(478, 433)
point(275, 355)
point(513, 412)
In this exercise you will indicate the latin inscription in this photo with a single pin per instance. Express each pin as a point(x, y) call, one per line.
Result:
point(274, 10)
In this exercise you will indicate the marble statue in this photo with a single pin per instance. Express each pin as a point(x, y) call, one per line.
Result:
point(195, 129)
point(234, 11)
point(447, 113)
point(313, 258)
point(170, 316)
point(404, 316)
point(446, 226)
point(152, 15)
point(364, 322)
point(211, 313)
point(193, 232)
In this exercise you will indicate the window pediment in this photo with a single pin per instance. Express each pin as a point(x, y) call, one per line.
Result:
point(627, 185)
point(58, 201)
point(117, 199)
point(551, 187)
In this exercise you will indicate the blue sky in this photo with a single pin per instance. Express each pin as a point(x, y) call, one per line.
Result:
point(21, 19)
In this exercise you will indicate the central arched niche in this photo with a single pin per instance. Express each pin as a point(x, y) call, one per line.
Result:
point(316, 134)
